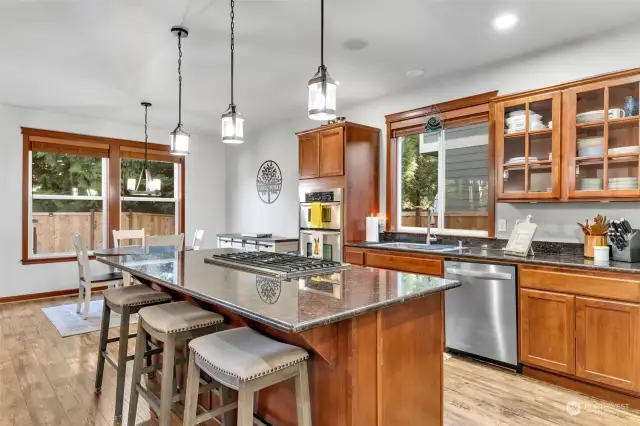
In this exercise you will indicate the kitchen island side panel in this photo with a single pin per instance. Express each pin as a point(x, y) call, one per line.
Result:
point(384, 368)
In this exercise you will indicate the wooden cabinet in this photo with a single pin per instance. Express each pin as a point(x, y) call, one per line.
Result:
point(332, 152)
point(321, 154)
point(557, 143)
point(308, 156)
point(353, 256)
point(343, 155)
point(608, 342)
point(416, 263)
point(547, 330)
point(404, 262)
point(602, 150)
point(528, 147)
point(583, 324)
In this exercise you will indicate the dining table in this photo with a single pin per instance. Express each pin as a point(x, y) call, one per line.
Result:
point(135, 251)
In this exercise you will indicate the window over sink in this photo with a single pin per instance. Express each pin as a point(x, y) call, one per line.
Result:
point(447, 171)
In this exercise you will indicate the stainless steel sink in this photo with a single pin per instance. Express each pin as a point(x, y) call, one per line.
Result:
point(421, 247)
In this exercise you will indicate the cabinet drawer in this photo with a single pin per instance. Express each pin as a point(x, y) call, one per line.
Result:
point(353, 256)
point(604, 285)
point(415, 264)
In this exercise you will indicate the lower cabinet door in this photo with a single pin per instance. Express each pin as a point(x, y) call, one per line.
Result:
point(607, 342)
point(547, 330)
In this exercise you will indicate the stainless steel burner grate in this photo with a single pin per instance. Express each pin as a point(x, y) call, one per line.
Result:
point(276, 264)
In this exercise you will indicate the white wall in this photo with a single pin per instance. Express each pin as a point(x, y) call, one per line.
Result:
point(204, 193)
point(578, 60)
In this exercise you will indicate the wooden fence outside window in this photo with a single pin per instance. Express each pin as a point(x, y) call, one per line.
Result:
point(52, 231)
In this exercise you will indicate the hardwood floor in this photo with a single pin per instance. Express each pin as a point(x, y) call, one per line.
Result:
point(48, 380)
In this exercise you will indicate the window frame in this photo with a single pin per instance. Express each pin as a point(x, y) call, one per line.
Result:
point(456, 113)
point(112, 151)
point(439, 229)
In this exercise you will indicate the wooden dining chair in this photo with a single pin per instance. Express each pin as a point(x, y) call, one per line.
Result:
point(86, 281)
point(128, 234)
point(165, 240)
point(197, 239)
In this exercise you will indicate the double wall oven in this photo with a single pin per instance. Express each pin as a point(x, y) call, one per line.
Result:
point(321, 224)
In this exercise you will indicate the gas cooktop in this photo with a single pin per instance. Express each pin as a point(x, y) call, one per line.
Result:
point(280, 265)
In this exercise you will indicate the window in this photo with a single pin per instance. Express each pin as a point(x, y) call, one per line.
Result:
point(77, 184)
point(448, 172)
point(67, 197)
point(155, 214)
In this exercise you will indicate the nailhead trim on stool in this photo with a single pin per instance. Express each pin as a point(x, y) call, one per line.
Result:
point(247, 361)
point(247, 334)
point(134, 295)
point(171, 324)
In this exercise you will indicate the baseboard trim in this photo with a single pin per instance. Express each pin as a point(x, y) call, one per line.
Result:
point(46, 295)
point(575, 384)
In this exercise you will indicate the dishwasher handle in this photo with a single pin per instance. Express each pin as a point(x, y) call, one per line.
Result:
point(479, 274)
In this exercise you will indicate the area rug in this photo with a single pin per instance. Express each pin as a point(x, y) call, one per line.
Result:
point(69, 323)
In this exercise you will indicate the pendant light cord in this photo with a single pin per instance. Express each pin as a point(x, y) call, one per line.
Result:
point(232, 46)
point(179, 78)
point(322, 33)
point(146, 136)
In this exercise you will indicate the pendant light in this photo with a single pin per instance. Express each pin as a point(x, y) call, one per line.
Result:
point(152, 186)
point(232, 121)
point(322, 88)
point(179, 137)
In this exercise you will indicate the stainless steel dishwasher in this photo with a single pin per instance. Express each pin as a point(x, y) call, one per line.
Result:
point(481, 315)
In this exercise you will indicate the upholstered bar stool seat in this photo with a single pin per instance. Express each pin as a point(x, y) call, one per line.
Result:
point(245, 360)
point(178, 316)
point(170, 323)
point(135, 295)
point(243, 354)
point(125, 301)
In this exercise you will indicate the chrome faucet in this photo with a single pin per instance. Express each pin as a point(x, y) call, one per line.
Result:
point(430, 222)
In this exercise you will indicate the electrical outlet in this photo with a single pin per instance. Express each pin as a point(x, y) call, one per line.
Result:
point(502, 225)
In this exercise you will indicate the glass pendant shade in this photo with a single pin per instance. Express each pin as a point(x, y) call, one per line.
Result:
point(179, 142)
point(322, 96)
point(154, 185)
point(131, 184)
point(232, 126)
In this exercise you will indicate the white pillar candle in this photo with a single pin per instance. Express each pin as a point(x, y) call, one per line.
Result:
point(373, 230)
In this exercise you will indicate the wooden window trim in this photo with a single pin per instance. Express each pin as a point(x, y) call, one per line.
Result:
point(459, 112)
point(114, 150)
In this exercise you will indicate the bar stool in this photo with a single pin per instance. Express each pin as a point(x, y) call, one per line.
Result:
point(170, 323)
point(125, 301)
point(245, 360)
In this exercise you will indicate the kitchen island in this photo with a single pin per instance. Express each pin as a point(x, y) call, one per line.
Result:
point(375, 336)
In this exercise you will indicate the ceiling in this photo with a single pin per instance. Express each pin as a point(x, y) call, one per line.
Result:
point(100, 58)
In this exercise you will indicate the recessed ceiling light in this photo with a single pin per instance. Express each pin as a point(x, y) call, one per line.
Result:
point(415, 72)
point(505, 21)
point(355, 44)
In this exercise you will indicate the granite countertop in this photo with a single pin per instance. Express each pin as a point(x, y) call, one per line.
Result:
point(570, 260)
point(271, 239)
point(290, 305)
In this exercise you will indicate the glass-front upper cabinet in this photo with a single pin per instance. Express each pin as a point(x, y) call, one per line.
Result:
point(602, 145)
point(527, 147)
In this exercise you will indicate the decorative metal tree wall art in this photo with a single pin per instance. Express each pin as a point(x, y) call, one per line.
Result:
point(269, 182)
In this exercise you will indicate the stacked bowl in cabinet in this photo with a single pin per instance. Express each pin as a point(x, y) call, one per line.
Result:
point(623, 183)
point(591, 146)
point(516, 121)
point(590, 184)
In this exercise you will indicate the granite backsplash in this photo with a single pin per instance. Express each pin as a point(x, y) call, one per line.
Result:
point(490, 243)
